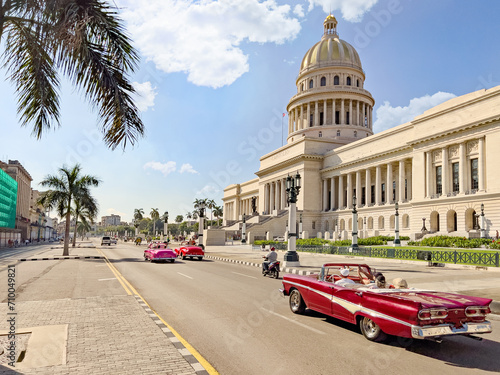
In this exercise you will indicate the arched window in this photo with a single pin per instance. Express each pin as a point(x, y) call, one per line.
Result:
point(338, 133)
point(348, 81)
point(336, 80)
point(320, 135)
point(357, 83)
point(302, 87)
point(323, 81)
point(355, 133)
point(311, 84)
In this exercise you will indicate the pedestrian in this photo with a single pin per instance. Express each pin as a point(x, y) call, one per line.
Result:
point(16, 242)
point(497, 235)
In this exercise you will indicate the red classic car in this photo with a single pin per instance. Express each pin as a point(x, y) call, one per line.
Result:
point(409, 312)
point(159, 252)
point(190, 252)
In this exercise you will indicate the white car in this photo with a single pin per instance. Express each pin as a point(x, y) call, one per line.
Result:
point(106, 240)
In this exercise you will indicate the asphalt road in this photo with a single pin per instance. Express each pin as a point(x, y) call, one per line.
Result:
point(236, 319)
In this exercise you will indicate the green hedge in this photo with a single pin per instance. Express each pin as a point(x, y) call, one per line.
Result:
point(456, 242)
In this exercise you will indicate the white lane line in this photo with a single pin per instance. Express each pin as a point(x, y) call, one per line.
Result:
point(189, 277)
point(111, 278)
point(294, 321)
point(242, 274)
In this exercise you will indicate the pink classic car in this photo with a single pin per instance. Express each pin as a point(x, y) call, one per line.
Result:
point(413, 313)
point(190, 252)
point(159, 252)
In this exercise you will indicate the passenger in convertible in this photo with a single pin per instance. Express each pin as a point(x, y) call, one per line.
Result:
point(344, 272)
point(379, 281)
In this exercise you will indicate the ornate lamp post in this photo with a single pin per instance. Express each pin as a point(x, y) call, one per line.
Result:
point(397, 242)
point(424, 229)
point(292, 191)
point(483, 222)
point(165, 224)
point(354, 245)
point(243, 230)
point(201, 225)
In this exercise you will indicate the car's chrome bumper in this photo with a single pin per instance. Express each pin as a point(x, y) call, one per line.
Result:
point(193, 256)
point(166, 258)
point(423, 332)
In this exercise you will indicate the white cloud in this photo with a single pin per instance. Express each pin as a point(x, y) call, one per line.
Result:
point(145, 95)
point(113, 211)
point(388, 117)
point(209, 190)
point(298, 11)
point(202, 38)
point(188, 168)
point(165, 168)
point(352, 10)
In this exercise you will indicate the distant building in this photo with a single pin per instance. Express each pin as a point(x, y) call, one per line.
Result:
point(107, 221)
point(8, 201)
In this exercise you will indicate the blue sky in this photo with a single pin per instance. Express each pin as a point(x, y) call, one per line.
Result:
point(215, 77)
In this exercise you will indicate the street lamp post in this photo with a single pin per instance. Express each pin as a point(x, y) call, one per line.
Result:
point(354, 245)
point(483, 222)
point(300, 225)
point(165, 224)
point(201, 223)
point(424, 229)
point(397, 242)
point(243, 230)
point(292, 191)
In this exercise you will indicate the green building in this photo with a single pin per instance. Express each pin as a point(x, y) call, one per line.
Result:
point(8, 199)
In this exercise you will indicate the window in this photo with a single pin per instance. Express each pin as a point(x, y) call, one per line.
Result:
point(357, 83)
point(337, 117)
point(383, 193)
point(393, 191)
point(321, 118)
point(372, 193)
point(355, 134)
point(320, 134)
point(313, 225)
point(311, 118)
point(336, 80)
point(474, 174)
point(363, 195)
point(311, 84)
point(348, 81)
point(439, 178)
point(347, 118)
point(338, 133)
point(302, 87)
point(323, 81)
point(456, 183)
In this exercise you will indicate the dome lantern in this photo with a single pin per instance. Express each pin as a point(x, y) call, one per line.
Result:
point(330, 26)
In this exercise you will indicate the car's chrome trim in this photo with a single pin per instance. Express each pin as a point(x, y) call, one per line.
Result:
point(423, 332)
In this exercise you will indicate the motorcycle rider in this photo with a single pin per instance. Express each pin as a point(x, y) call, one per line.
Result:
point(270, 257)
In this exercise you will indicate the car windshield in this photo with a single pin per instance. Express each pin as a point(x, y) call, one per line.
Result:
point(105, 238)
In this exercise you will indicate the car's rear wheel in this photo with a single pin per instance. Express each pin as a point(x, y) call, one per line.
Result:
point(200, 258)
point(183, 257)
point(371, 330)
point(172, 260)
point(297, 304)
point(145, 257)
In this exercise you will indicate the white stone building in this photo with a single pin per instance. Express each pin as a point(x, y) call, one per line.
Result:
point(439, 167)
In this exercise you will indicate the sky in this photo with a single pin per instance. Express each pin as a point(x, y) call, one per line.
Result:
point(215, 78)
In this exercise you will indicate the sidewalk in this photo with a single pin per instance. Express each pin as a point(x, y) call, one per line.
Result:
point(92, 327)
point(469, 280)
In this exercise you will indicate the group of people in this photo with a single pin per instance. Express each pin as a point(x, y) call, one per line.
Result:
point(374, 281)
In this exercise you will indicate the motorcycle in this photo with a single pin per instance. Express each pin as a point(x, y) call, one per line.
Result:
point(273, 269)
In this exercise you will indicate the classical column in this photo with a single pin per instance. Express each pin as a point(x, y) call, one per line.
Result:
point(341, 191)
point(462, 169)
point(358, 187)
point(325, 195)
point(363, 123)
point(401, 185)
point(342, 114)
point(428, 180)
point(357, 113)
point(350, 113)
point(332, 193)
point(371, 118)
point(308, 115)
point(277, 195)
point(378, 181)
point(368, 187)
point(324, 112)
point(480, 165)
point(296, 118)
point(283, 194)
point(333, 111)
point(388, 188)
point(316, 113)
point(444, 171)
point(349, 190)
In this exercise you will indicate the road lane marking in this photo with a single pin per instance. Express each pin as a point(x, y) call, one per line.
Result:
point(111, 278)
point(242, 274)
point(207, 366)
point(189, 277)
point(115, 272)
point(294, 321)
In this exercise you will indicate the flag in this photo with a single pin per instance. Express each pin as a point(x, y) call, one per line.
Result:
point(283, 115)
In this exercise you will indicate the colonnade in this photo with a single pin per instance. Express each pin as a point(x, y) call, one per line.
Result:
point(233, 210)
point(275, 196)
point(324, 112)
point(387, 183)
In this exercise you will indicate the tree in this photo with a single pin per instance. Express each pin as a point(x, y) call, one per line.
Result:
point(64, 189)
point(85, 41)
point(218, 212)
point(86, 209)
point(189, 215)
point(210, 204)
point(198, 204)
point(155, 215)
point(179, 218)
point(83, 228)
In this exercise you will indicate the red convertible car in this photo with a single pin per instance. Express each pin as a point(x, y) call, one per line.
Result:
point(190, 252)
point(159, 252)
point(413, 313)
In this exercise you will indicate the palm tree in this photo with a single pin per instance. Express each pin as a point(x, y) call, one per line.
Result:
point(210, 204)
point(218, 212)
point(85, 41)
point(199, 203)
point(155, 215)
point(189, 215)
point(83, 227)
point(179, 218)
point(65, 188)
point(85, 208)
point(138, 216)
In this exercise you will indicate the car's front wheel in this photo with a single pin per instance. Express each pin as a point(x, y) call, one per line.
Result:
point(297, 304)
point(371, 330)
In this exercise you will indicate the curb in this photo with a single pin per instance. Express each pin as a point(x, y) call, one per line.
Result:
point(186, 354)
point(59, 258)
point(494, 305)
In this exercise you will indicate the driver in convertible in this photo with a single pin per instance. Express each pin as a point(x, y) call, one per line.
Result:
point(344, 272)
point(270, 257)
